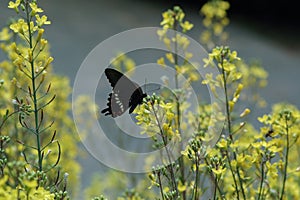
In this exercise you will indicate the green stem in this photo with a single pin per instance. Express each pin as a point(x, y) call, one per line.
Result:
point(229, 126)
point(230, 132)
point(174, 185)
point(6, 118)
point(212, 177)
point(240, 181)
point(215, 189)
point(262, 180)
point(233, 175)
point(286, 158)
point(160, 186)
point(196, 179)
point(226, 100)
point(34, 91)
point(180, 160)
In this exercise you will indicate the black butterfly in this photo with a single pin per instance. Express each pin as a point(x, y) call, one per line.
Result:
point(125, 94)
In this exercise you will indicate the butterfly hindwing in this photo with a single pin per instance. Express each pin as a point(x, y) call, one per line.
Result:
point(125, 94)
point(136, 99)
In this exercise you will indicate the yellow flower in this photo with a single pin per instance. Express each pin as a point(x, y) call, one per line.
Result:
point(205, 37)
point(35, 9)
point(186, 26)
point(188, 55)
point(3, 180)
point(212, 152)
point(161, 33)
point(228, 67)
point(272, 170)
point(222, 144)
point(43, 43)
point(275, 149)
point(218, 29)
point(235, 144)
point(166, 106)
point(233, 56)
point(182, 41)
point(166, 189)
point(40, 21)
point(5, 34)
point(180, 14)
point(208, 79)
point(168, 20)
point(167, 42)
point(185, 152)
point(19, 26)
point(170, 57)
point(161, 62)
point(263, 119)
point(225, 21)
point(244, 161)
point(181, 187)
point(219, 171)
point(30, 184)
point(41, 193)
point(19, 61)
point(15, 5)
point(170, 116)
point(194, 77)
point(165, 127)
point(207, 22)
point(129, 64)
point(233, 163)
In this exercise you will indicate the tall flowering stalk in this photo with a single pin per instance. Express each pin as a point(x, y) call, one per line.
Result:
point(31, 156)
point(281, 130)
point(173, 19)
point(30, 32)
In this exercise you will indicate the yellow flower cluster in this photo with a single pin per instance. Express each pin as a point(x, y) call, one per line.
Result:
point(215, 20)
point(29, 191)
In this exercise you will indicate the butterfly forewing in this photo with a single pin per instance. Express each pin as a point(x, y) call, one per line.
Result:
point(125, 94)
point(113, 76)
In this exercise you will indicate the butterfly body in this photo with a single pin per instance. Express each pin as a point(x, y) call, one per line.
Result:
point(125, 94)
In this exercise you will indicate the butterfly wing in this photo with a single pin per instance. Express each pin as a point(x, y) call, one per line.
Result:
point(136, 99)
point(113, 76)
point(123, 95)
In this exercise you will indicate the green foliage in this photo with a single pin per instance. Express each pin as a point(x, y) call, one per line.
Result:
point(116, 185)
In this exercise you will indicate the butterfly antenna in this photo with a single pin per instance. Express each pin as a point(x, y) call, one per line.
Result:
point(158, 88)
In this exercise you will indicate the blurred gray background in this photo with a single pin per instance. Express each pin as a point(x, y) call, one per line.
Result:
point(78, 26)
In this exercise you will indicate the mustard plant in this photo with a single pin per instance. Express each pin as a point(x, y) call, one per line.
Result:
point(245, 163)
point(174, 19)
point(31, 113)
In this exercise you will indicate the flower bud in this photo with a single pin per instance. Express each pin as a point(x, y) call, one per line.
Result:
point(245, 112)
point(40, 34)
